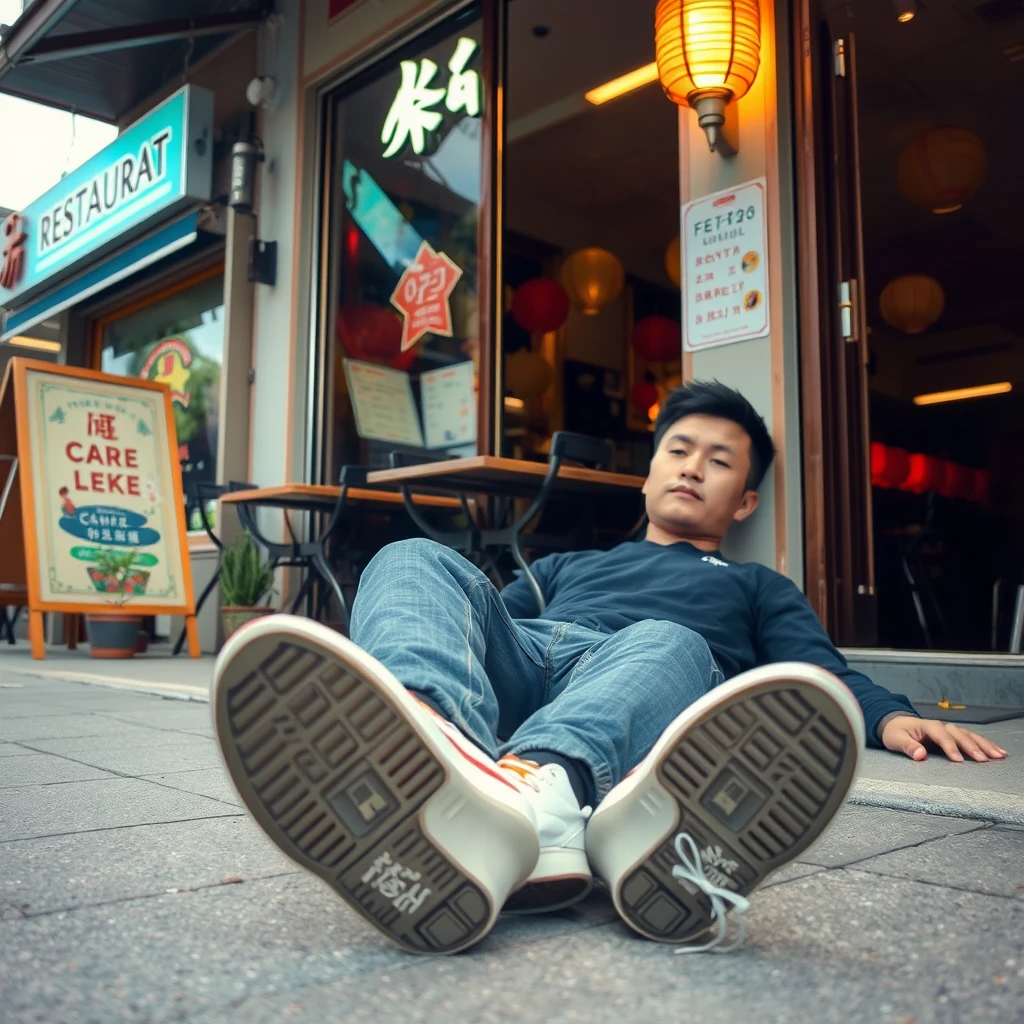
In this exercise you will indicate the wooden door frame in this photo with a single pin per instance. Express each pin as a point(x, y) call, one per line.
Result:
point(813, 301)
point(837, 511)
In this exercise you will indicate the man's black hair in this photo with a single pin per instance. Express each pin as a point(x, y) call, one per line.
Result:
point(712, 398)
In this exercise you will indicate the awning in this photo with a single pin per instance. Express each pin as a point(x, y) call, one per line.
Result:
point(102, 275)
point(103, 59)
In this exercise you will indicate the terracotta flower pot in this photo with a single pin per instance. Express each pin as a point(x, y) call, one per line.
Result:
point(112, 635)
point(233, 618)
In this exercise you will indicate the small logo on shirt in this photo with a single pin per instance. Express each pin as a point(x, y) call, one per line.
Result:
point(714, 561)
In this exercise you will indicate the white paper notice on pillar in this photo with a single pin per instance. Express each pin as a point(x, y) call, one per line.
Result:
point(725, 267)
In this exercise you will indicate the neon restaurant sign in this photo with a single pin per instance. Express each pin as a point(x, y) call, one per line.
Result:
point(161, 163)
point(417, 120)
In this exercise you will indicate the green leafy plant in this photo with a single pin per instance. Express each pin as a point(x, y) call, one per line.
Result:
point(245, 579)
point(114, 574)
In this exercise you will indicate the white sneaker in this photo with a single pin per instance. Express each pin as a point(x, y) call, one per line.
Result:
point(410, 823)
point(740, 784)
point(562, 876)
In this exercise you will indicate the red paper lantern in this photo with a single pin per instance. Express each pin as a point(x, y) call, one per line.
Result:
point(981, 485)
point(958, 482)
point(373, 334)
point(889, 466)
point(540, 305)
point(927, 473)
point(657, 338)
point(643, 395)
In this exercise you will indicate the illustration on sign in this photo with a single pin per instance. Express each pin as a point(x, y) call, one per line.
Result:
point(106, 476)
point(423, 295)
point(171, 360)
point(725, 267)
point(412, 119)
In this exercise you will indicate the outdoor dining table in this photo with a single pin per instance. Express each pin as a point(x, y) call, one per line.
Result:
point(501, 478)
point(319, 500)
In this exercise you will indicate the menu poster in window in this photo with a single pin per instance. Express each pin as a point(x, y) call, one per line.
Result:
point(100, 483)
point(449, 406)
point(383, 403)
point(725, 267)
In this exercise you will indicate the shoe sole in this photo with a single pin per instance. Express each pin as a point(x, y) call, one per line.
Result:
point(560, 879)
point(339, 772)
point(755, 779)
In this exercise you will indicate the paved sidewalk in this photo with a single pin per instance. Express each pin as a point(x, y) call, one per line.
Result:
point(132, 888)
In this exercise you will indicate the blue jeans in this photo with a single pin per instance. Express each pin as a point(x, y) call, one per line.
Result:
point(440, 626)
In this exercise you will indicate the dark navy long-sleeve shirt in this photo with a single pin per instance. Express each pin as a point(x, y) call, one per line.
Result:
point(748, 614)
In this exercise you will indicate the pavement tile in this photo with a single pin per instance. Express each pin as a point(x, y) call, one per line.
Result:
point(997, 776)
point(790, 873)
point(63, 872)
point(31, 811)
point(69, 725)
point(45, 770)
point(176, 715)
point(211, 782)
point(148, 754)
point(990, 860)
point(14, 750)
point(832, 949)
point(170, 955)
point(861, 832)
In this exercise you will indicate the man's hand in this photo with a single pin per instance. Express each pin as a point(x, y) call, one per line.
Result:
point(908, 735)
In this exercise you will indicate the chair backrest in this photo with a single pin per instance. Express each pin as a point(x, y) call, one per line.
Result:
point(590, 451)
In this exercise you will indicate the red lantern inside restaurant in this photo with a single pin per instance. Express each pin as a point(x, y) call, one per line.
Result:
point(657, 338)
point(927, 473)
point(889, 466)
point(643, 395)
point(374, 334)
point(980, 485)
point(959, 481)
point(540, 305)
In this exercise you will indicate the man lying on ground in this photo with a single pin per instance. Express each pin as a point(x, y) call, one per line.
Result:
point(674, 722)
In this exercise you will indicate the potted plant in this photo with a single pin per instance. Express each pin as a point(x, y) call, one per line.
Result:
point(115, 634)
point(245, 580)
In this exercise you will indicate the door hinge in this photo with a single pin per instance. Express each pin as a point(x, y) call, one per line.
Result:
point(847, 312)
point(839, 50)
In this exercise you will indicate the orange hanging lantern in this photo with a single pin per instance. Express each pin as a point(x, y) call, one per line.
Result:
point(912, 303)
point(527, 374)
point(593, 277)
point(708, 54)
point(942, 168)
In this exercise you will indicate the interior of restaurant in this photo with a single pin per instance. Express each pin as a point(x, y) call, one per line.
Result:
point(591, 212)
point(940, 163)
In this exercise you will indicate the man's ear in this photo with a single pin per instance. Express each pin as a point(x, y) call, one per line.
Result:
point(746, 507)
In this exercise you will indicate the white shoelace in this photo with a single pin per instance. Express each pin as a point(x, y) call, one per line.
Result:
point(691, 870)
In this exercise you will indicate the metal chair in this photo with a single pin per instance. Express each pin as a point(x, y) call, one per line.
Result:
point(199, 494)
point(310, 556)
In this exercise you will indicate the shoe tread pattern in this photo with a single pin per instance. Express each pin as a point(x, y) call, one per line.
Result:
point(786, 751)
point(336, 776)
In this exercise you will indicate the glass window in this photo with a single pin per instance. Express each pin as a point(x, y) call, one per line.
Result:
point(405, 164)
point(178, 340)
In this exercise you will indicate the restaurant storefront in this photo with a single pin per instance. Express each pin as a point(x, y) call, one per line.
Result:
point(480, 132)
point(492, 224)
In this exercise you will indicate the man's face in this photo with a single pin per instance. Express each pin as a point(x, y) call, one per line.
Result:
point(697, 484)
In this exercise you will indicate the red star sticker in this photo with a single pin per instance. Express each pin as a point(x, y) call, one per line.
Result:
point(423, 295)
